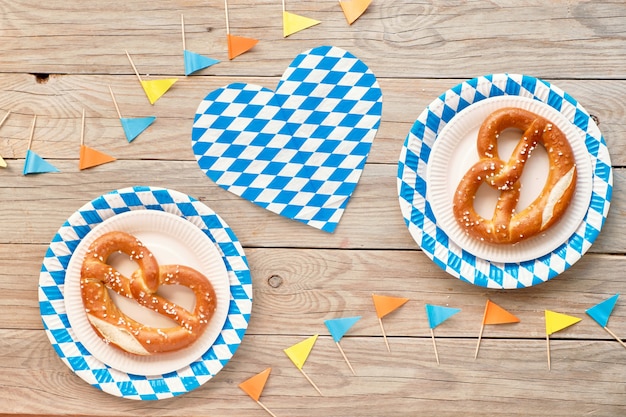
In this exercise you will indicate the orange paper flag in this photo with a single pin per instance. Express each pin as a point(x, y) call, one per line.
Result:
point(237, 45)
point(353, 9)
point(90, 158)
point(384, 305)
point(254, 387)
point(494, 314)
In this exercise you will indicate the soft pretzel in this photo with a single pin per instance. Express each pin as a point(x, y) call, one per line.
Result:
point(117, 328)
point(507, 224)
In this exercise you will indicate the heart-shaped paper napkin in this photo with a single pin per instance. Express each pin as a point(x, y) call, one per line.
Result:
point(298, 151)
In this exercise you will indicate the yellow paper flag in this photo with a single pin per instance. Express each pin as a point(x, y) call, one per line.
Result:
point(385, 304)
point(353, 9)
point(299, 352)
point(154, 89)
point(293, 23)
point(557, 321)
point(254, 386)
point(3, 163)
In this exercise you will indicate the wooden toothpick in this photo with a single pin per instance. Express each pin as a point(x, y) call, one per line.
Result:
point(432, 335)
point(6, 116)
point(621, 342)
point(345, 358)
point(32, 132)
point(480, 336)
point(548, 349)
point(311, 382)
point(182, 25)
point(266, 409)
point(115, 103)
point(132, 64)
point(82, 130)
point(382, 329)
point(226, 13)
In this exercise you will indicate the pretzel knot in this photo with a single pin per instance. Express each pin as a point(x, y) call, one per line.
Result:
point(117, 328)
point(507, 225)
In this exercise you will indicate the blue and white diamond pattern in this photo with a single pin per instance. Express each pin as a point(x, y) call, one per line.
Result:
point(298, 151)
point(416, 208)
point(52, 303)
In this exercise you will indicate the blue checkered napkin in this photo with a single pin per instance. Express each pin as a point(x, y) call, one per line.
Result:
point(298, 151)
point(416, 208)
point(73, 353)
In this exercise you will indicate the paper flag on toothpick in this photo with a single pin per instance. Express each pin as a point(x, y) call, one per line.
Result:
point(299, 353)
point(437, 315)
point(601, 312)
point(132, 127)
point(90, 157)
point(3, 163)
point(237, 45)
point(337, 329)
point(193, 61)
point(494, 314)
point(556, 322)
point(154, 89)
point(384, 305)
point(254, 387)
point(353, 9)
point(293, 23)
point(35, 164)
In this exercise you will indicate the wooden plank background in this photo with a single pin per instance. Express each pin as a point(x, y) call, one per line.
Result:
point(59, 58)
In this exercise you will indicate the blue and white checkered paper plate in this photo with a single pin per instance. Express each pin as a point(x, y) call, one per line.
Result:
point(63, 338)
point(418, 214)
point(298, 151)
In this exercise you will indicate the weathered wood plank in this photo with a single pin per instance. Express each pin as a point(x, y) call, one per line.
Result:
point(300, 288)
point(417, 38)
point(58, 104)
point(510, 377)
point(34, 207)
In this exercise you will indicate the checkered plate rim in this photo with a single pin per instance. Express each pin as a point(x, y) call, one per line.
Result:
point(418, 215)
point(73, 353)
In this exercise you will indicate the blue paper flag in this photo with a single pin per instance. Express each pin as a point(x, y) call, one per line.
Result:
point(35, 164)
point(134, 127)
point(601, 312)
point(339, 327)
point(439, 314)
point(195, 62)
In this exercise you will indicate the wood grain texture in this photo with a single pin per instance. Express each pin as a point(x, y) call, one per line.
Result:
point(59, 58)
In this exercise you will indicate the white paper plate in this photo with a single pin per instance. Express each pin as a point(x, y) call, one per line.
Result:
point(454, 152)
point(172, 240)
point(413, 186)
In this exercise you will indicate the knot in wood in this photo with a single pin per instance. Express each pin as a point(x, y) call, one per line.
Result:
point(275, 281)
